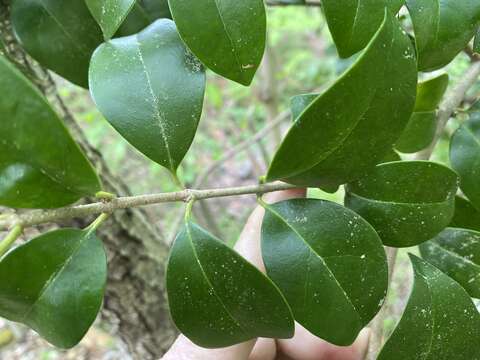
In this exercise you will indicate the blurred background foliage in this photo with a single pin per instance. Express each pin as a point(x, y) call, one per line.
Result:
point(300, 58)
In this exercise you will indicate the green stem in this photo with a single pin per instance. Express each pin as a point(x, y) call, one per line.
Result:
point(104, 195)
point(177, 181)
point(188, 209)
point(97, 222)
point(261, 202)
point(13, 235)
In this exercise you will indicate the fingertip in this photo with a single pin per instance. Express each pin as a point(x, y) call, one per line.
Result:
point(284, 195)
point(248, 244)
point(264, 349)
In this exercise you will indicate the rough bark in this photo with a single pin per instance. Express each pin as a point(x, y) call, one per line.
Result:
point(135, 300)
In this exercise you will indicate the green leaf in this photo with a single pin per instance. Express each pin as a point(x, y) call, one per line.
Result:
point(110, 14)
point(150, 88)
point(61, 38)
point(442, 29)
point(430, 93)
point(55, 284)
point(457, 253)
point(392, 156)
point(227, 36)
point(465, 157)
point(143, 13)
point(422, 127)
point(354, 22)
point(419, 132)
point(328, 262)
point(331, 143)
point(466, 216)
point(41, 166)
point(407, 202)
point(217, 298)
point(439, 323)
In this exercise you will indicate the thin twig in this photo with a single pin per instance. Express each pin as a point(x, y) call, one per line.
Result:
point(202, 178)
point(244, 145)
point(452, 101)
point(36, 217)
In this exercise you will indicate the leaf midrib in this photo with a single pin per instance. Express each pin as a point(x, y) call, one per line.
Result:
point(270, 208)
point(155, 106)
point(232, 44)
point(190, 238)
point(55, 275)
point(348, 133)
point(64, 30)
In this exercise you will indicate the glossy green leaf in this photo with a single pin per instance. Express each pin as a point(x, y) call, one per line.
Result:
point(217, 298)
point(61, 38)
point(227, 36)
point(110, 14)
point(465, 157)
point(159, 113)
point(41, 166)
point(457, 253)
point(354, 22)
point(443, 28)
point(419, 132)
point(328, 262)
point(344, 132)
point(430, 93)
point(422, 126)
point(392, 156)
point(466, 216)
point(143, 13)
point(55, 284)
point(407, 202)
point(439, 323)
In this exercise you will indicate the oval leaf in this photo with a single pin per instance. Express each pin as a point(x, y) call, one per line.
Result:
point(217, 298)
point(328, 262)
point(40, 164)
point(354, 23)
point(419, 132)
point(61, 38)
point(457, 253)
point(55, 284)
point(422, 127)
point(465, 157)
point(440, 321)
point(407, 202)
point(227, 36)
point(331, 143)
point(430, 93)
point(443, 28)
point(110, 14)
point(466, 216)
point(150, 88)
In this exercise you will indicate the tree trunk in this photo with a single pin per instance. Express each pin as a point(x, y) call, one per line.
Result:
point(135, 300)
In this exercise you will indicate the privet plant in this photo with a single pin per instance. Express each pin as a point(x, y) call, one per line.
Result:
point(326, 264)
